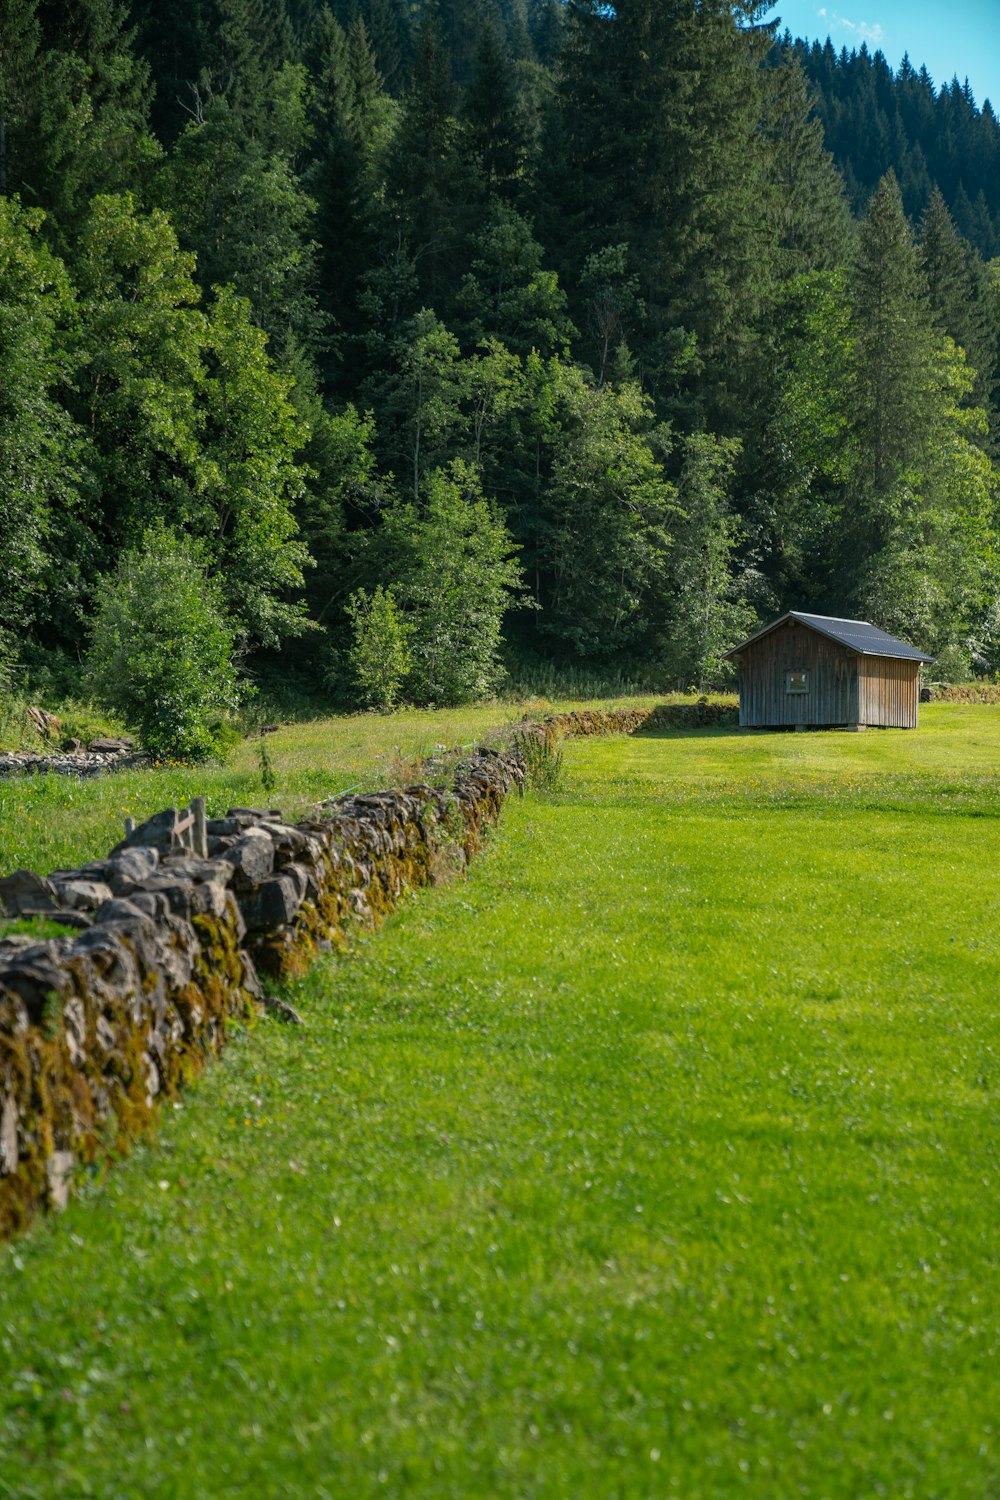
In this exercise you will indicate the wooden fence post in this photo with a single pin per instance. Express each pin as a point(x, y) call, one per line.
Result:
point(200, 832)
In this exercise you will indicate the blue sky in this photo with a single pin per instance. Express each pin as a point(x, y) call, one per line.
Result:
point(962, 37)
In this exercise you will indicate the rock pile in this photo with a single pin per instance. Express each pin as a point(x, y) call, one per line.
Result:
point(166, 946)
point(47, 724)
point(99, 756)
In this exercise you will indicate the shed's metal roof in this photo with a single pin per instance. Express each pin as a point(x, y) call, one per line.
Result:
point(856, 635)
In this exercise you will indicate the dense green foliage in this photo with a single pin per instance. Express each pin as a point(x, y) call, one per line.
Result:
point(161, 649)
point(654, 1159)
point(379, 655)
point(874, 120)
point(552, 319)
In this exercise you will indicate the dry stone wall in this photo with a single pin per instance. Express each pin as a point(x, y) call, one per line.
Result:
point(73, 759)
point(166, 948)
point(703, 713)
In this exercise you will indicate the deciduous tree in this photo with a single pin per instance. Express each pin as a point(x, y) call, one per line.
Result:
point(42, 451)
point(457, 578)
point(708, 609)
point(161, 648)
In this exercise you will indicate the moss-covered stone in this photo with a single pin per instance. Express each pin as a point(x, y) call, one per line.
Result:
point(96, 1028)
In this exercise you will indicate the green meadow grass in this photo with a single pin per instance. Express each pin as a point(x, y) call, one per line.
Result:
point(54, 822)
point(656, 1158)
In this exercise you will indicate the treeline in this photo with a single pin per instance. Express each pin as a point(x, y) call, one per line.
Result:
point(875, 120)
point(433, 337)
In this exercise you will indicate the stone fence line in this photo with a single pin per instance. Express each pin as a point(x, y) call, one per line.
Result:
point(172, 931)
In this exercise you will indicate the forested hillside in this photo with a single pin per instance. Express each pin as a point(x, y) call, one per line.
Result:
point(395, 341)
point(874, 120)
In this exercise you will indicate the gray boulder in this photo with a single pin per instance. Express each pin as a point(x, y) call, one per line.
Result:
point(24, 890)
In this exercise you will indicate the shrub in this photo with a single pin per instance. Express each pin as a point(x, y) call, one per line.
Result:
point(161, 650)
point(379, 655)
point(952, 664)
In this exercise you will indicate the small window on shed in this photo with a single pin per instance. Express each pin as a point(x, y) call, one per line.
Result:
point(797, 681)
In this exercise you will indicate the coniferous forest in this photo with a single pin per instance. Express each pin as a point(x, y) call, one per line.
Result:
point(385, 347)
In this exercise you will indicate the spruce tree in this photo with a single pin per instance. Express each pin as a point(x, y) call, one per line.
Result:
point(370, 111)
point(388, 27)
point(352, 116)
point(427, 204)
point(808, 204)
point(946, 267)
point(20, 40)
point(545, 23)
point(252, 40)
point(462, 22)
point(334, 175)
point(496, 119)
point(920, 499)
point(80, 102)
point(957, 282)
point(660, 112)
point(893, 346)
point(517, 30)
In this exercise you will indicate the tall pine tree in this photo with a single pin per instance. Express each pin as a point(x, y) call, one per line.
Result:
point(959, 294)
point(76, 100)
point(427, 209)
point(661, 103)
point(807, 202)
point(893, 349)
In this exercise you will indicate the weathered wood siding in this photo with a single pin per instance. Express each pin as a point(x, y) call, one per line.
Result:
point(889, 692)
point(833, 680)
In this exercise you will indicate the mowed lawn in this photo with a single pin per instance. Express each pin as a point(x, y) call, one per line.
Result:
point(657, 1158)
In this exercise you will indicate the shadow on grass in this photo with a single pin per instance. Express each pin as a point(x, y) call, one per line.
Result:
point(675, 731)
point(690, 732)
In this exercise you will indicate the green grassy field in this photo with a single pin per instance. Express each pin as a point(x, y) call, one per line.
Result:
point(658, 1157)
point(51, 822)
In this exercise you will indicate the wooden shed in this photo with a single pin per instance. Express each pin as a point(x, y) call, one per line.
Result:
point(808, 671)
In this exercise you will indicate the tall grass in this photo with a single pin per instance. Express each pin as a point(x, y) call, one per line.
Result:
point(547, 680)
point(17, 732)
point(78, 719)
